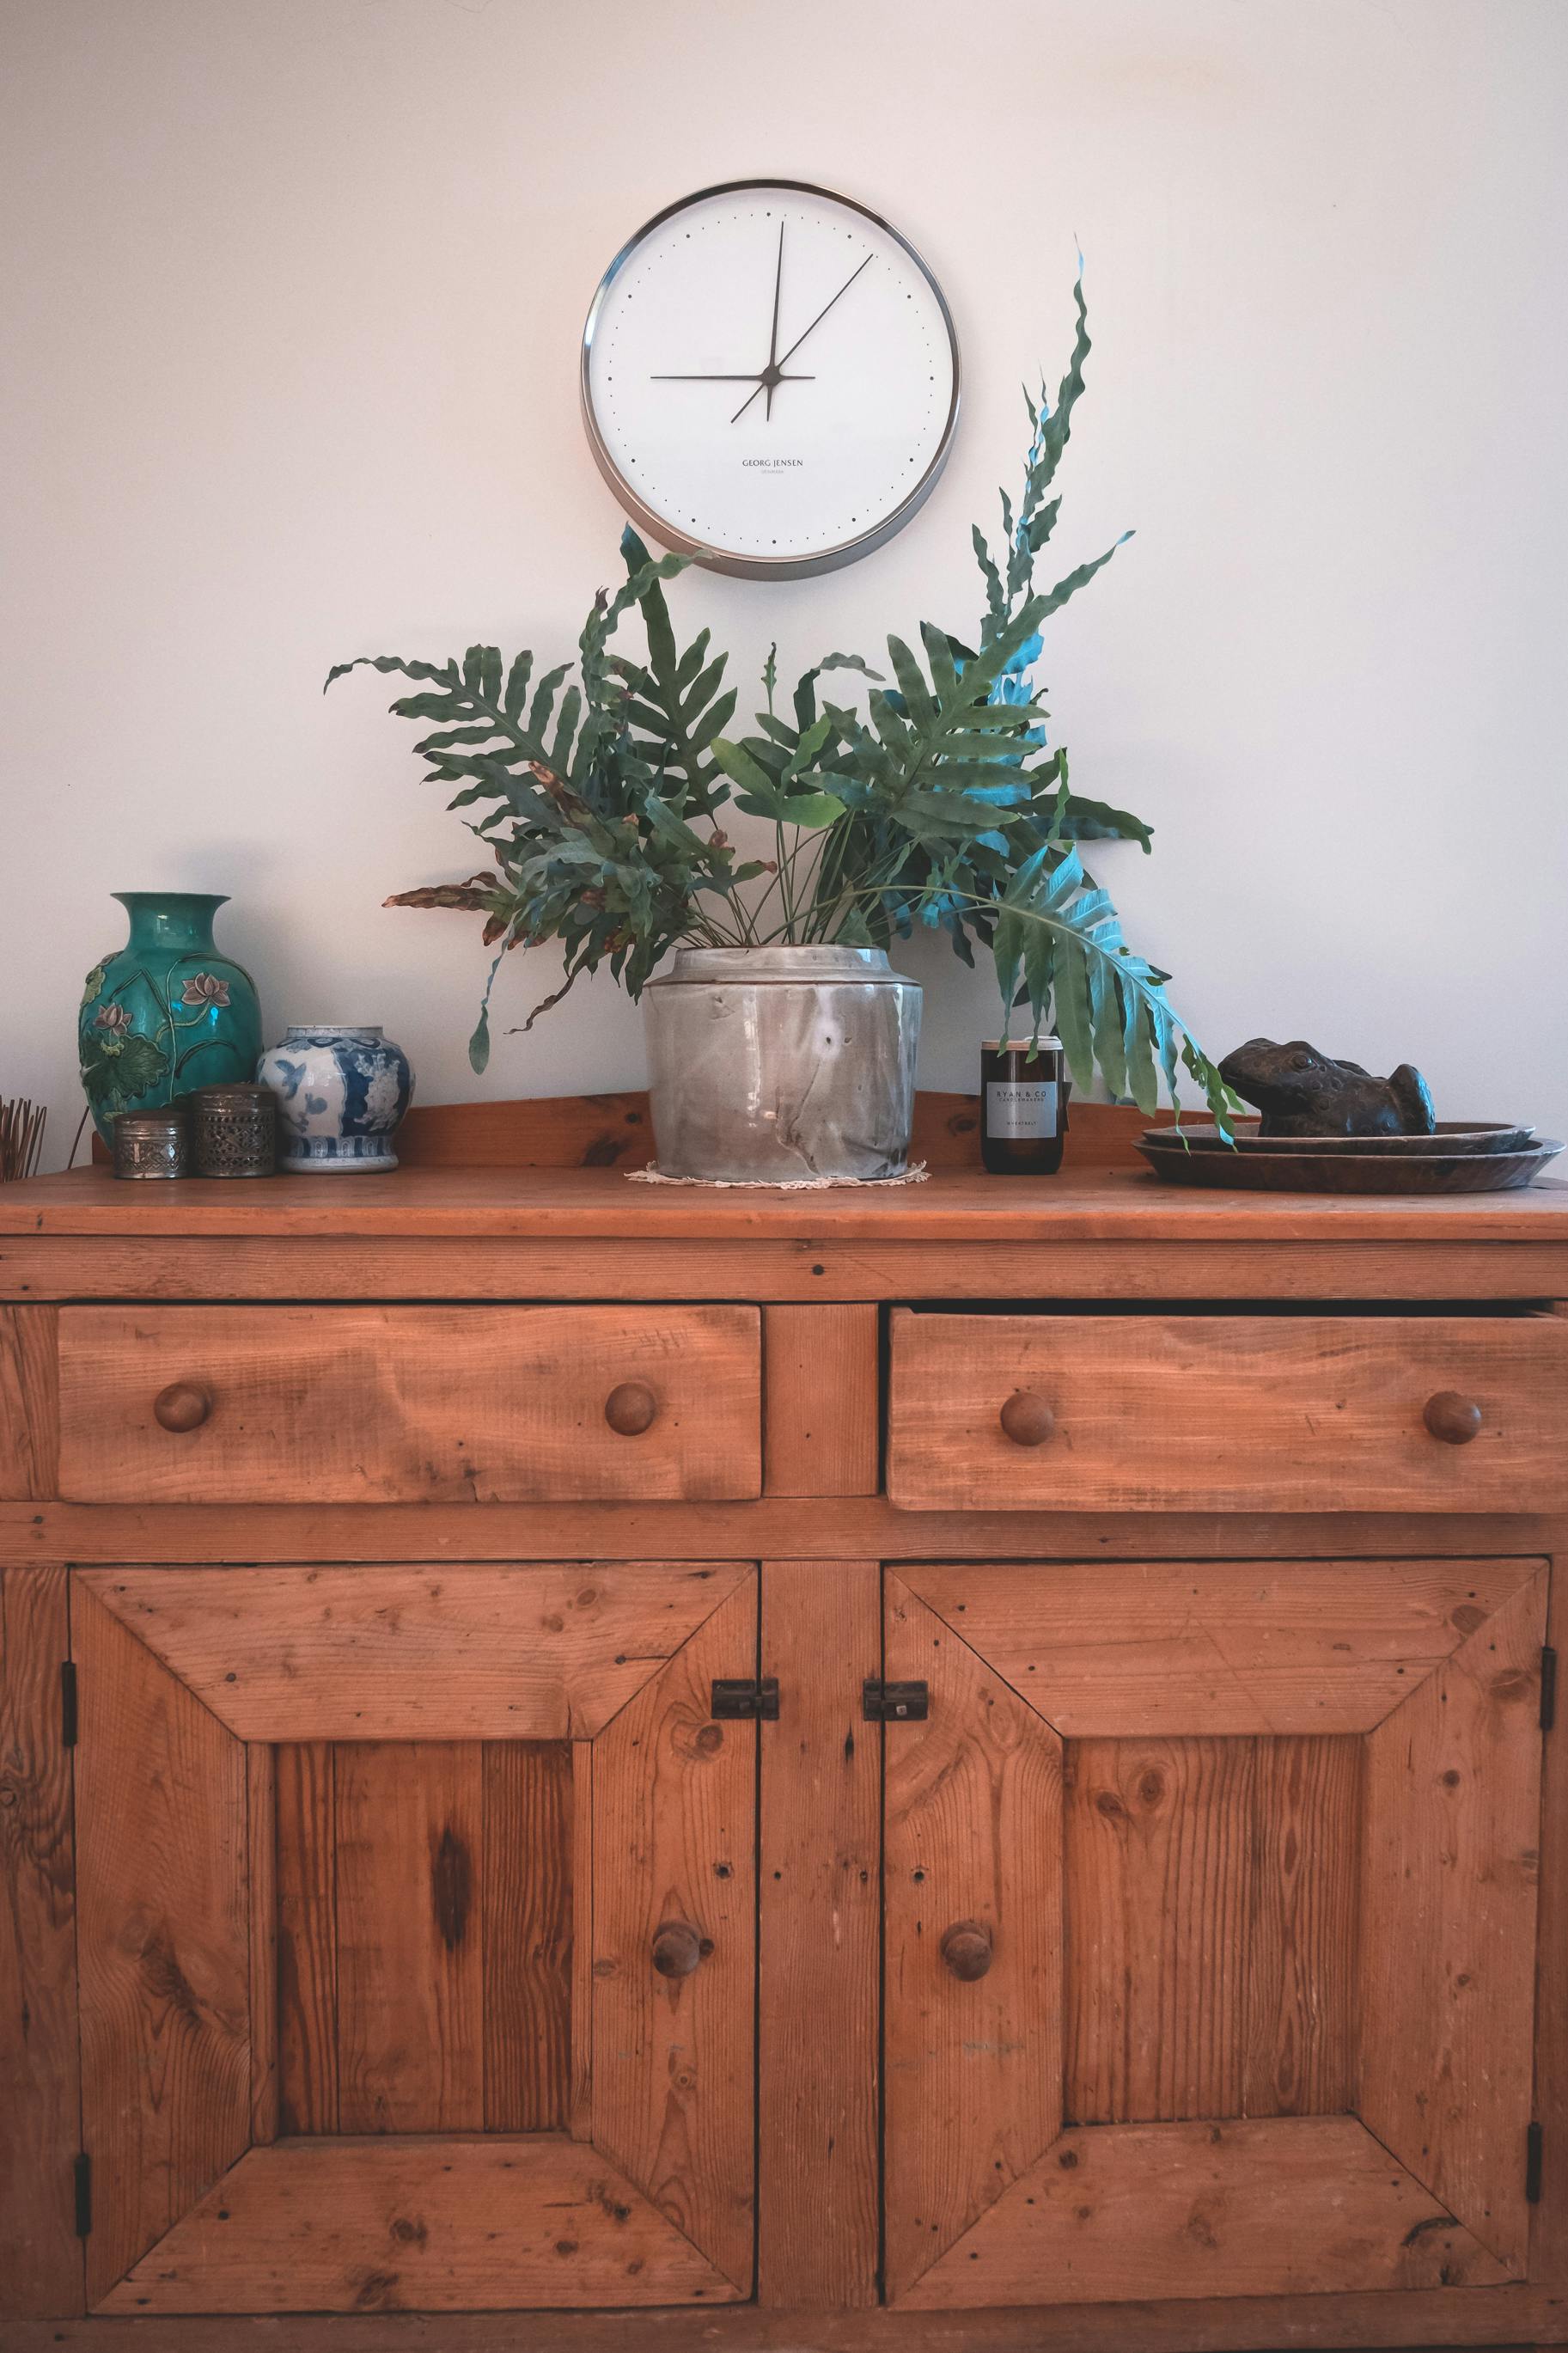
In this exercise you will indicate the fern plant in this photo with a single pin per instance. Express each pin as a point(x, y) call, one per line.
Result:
point(936, 801)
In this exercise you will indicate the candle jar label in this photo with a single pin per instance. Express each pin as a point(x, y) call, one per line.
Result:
point(1016, 1107)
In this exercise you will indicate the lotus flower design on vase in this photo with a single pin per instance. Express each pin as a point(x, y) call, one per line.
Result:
point(205, 989)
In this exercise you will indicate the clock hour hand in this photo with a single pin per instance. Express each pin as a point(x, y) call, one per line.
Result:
point(774, 370)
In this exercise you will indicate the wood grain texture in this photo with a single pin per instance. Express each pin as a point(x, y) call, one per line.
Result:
point(1211, 1908)
point(1223, 1412)
point(1159, 1837)
point(1126, 1263)
point(419, 2225)
point(1303, 1928)
point(305, 1804)
point(1381, 2318)
point(411, 1404)
point(527, 1914)
point(425, 1963)
point(40, 2255)
point(823, 1380)
point(675, 1798)
point(1549, 2219)
point(973, 1833)
point(1297, 2205)
point(543, 1652)
point(30, 1403)
point(1220, 1646)
point(262, 1852)
point(580, 2113)
point(846, 1529)
point(819, 1941)
point(409, 1866)
point(163, 1939)
point(1451, 1859)
point(1084, 1204)
point(612, 1131)
point(616, 1132)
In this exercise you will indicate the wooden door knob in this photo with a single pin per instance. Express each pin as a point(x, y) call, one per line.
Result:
point(630, 1409)
point(182, 1406)
point(1454, 1418)
point(677, 1948)
point(966, 1949)
point(1027, 1419)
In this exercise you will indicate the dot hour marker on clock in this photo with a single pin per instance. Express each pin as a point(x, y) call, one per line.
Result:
point(769, 379)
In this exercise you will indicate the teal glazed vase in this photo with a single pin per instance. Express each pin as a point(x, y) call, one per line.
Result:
point(168, 1012)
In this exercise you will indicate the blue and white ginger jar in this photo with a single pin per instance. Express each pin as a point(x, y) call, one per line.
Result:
point(341, 1092)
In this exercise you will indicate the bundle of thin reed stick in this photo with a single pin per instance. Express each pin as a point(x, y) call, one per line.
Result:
point(21, 1137)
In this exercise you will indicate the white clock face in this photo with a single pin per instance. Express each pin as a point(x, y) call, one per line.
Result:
point(769, 379)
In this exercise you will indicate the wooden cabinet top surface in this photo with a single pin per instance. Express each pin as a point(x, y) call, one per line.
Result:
point(1089, 1203)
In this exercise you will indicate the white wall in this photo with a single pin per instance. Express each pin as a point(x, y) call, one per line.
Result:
point(292, 296)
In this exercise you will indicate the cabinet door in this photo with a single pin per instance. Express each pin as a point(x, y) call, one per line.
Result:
point(417, 1935)
point(1211, 1895)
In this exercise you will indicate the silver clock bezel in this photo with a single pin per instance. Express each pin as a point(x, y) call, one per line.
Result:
point(718, 559)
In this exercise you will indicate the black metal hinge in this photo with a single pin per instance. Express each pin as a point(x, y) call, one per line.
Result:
point(1532, 2165)
point(883, 1703)
point(745, 1698)
point(67, 1703)
point(82, 2171)
point(1547, 1687)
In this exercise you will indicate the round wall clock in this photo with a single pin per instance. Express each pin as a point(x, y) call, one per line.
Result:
point(769, 379)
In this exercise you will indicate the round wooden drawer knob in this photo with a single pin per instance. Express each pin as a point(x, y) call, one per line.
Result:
point(966, 1949)
point(677, 1948)
point(1454, 1418)
point(182, 1406)
point(630, 1409)
point(1027, 1419)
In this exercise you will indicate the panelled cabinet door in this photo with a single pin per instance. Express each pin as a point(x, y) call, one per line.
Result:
point(417, 1936)
point(1211, 1923)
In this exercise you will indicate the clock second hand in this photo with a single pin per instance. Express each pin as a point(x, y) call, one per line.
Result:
point(772, 372)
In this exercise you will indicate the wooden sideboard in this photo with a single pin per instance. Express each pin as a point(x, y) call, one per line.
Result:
point(966, 1764)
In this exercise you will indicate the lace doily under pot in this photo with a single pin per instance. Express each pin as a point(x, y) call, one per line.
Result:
point(915, 1175)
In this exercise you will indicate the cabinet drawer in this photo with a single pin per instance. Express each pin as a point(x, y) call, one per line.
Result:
point(329, 1404)
point(1310, 1413)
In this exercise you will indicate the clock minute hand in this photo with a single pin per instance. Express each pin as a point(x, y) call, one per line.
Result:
point(770, 376)
point(800, 339)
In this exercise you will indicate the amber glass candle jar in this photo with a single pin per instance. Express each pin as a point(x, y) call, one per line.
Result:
point(1023, 1106)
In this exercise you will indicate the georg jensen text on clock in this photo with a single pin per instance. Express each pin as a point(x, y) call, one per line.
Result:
point(770, 378)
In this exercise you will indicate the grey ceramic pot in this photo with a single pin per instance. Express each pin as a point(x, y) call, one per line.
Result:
point(769, 1065)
